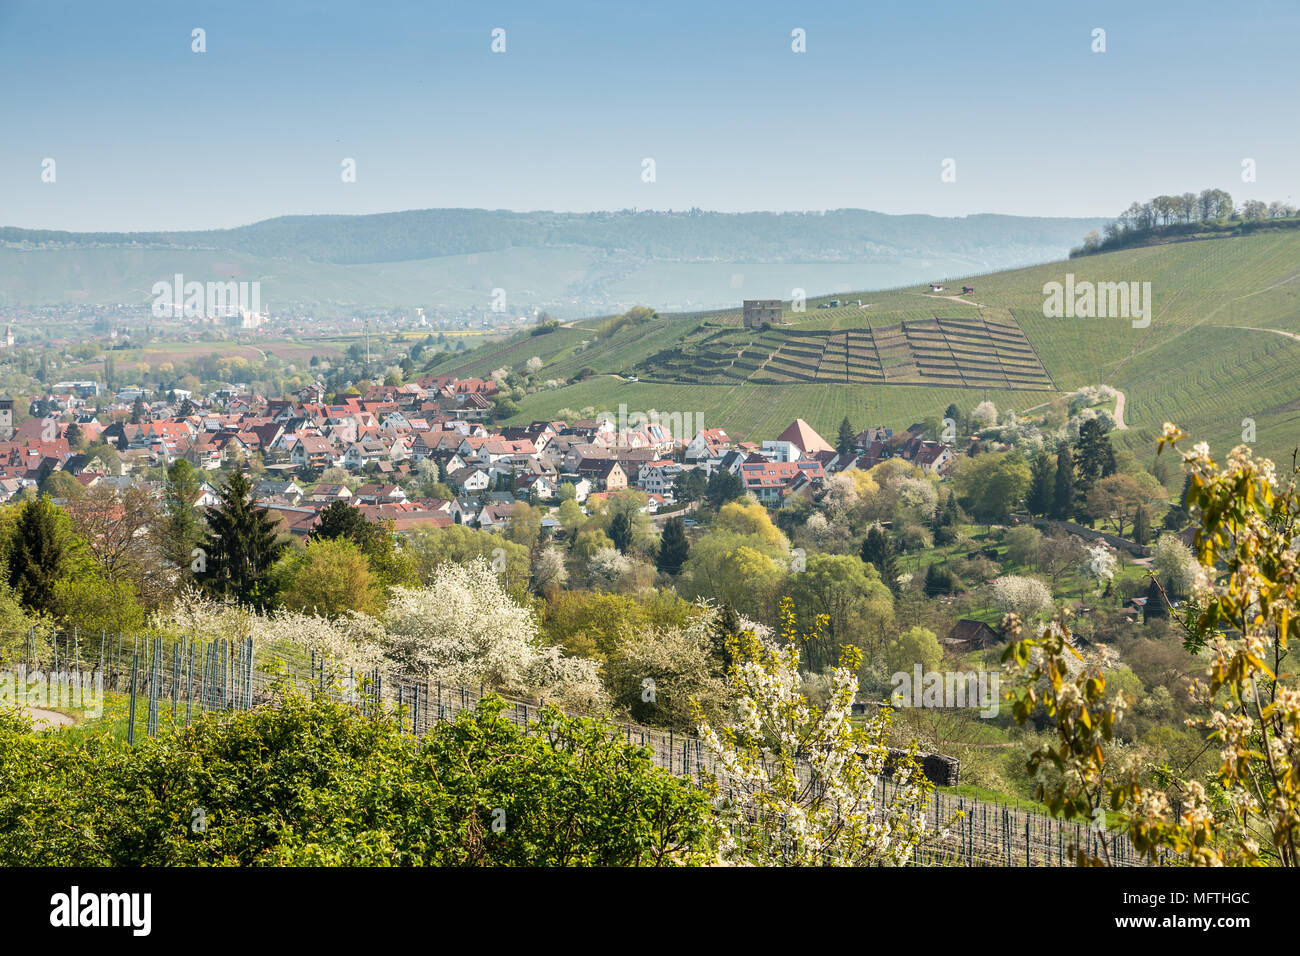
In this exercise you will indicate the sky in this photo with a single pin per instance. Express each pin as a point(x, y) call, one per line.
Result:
point(145, 133)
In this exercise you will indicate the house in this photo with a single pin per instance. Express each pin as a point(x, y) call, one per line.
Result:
point(758, 312)
point(377, 494)
point(471, 479)
point(771, 481)
point(607, 474)
point(657, 477)
point(804, 437)
point(582, 487)
point(284, 490)
point(708, 444)
point(540, 485)
point(968, 634)
point(936, 286)
point(362, 453)
point(327, 492)
point(313, 452)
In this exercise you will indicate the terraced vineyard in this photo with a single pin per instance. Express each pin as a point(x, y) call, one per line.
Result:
point(988, 350)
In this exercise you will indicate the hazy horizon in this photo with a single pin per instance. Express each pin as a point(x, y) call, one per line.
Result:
point(148, 135)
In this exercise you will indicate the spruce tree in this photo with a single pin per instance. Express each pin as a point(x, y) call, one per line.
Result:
point(181, 524)
point(1177, 517)
point(945, 521)
point(240, 546)
point(844, 441)
point(1142, 525)
point(1042, 484)
point(1063, 492)
point(878, 551)
point(38, 553)
point(342, 520)
point(1094, 458)
point(620, 532)
point(1155, 608)
point(673, 547)
point(723, 486)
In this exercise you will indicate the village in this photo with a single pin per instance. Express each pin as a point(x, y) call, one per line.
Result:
point(388, 451)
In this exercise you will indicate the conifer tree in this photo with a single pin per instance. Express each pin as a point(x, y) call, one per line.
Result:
point(673, 547)
point(1063, 493)
point(240, 546)
point(38, 553)
point(878, 551)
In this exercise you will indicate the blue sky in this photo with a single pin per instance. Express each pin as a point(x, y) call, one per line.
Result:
point(149, 135)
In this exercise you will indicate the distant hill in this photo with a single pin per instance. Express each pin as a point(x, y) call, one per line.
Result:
point(574, 263)
point(1219, 356)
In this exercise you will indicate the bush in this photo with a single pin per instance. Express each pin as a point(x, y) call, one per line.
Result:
point(345, 789)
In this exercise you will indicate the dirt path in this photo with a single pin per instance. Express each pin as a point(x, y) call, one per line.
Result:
point(951, 298)
point(43, 719)
point(1120, 399)
point(1251, 328)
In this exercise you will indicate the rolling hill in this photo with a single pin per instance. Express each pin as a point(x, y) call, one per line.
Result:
point(570, 263)
point(1222, 351)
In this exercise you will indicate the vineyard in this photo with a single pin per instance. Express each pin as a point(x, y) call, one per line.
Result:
point(983, 350)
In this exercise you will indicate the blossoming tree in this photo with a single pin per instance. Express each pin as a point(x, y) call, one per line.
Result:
point(799, 783)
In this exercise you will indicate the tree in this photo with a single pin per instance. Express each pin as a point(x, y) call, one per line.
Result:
point(357, 790)
point(181, 528)
point(340, 519)
point(1246, 811)
point(1118, 498)
point(620, 532)
point(825, 811)
point(661, 676)
point(1155, 608)
point(915, 646)
point(844, 440)
point(723, 487)
point(848, 596)
point(330, 577)
point(1025, 597)
point(939, 580)
point(674, 548)
point(1094, 457)
point(137, 410)
point(878, 551)
point(1142, 524)
point(946, 520)
point(690, 485)
point(240, 546)
point(1063, 484)
point(93, 603)
point(1042, 484)
point(75, 436)
point(39, 548)
point(992, 485)
point(465, 629)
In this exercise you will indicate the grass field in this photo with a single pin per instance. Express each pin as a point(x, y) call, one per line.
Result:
point(762, 411)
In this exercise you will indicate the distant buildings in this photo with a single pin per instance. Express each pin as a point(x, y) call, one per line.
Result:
point(758, 312)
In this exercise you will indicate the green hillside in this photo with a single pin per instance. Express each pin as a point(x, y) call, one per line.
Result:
point(1214, 354)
